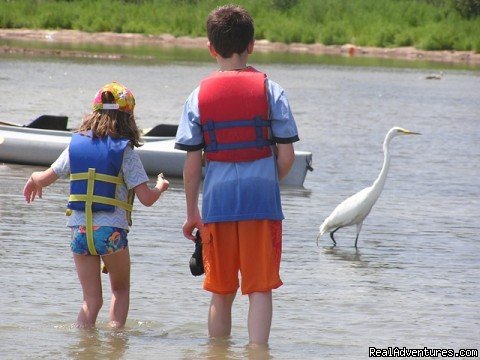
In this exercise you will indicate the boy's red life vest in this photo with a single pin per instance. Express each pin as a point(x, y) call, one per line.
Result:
point(234, 115)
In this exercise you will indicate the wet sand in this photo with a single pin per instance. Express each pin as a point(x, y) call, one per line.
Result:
point(166, 40)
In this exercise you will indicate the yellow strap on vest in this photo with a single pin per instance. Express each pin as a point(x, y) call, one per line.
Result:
point(131, 197)
point(102, 177)
point(88, 211)
point(102, 200)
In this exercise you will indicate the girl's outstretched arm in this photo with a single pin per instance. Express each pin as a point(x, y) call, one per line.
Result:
point(149, 196)
point(36, 182)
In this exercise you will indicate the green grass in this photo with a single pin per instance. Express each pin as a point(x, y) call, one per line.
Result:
point(425, 24)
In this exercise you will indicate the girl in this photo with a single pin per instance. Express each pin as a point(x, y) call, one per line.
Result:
point(105, 175)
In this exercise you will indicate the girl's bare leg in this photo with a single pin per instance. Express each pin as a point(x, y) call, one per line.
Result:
point(88, 270)
point(118, 265)
point(259, 317)
point(220, 315)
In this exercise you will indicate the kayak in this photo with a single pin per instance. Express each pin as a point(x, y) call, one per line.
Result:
point(43, 142)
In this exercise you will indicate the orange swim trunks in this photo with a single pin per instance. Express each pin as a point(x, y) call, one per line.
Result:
point(252, 247)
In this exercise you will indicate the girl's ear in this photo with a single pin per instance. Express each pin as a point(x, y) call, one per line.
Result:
point(213, 53)
point(250, 46)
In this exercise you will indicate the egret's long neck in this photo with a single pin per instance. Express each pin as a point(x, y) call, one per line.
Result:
point(380, 181)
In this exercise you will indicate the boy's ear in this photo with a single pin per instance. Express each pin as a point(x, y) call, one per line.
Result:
point(250, 46)
point(213, 53)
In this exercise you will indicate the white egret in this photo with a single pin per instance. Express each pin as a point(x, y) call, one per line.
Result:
point(438, 76)
point(353, 210)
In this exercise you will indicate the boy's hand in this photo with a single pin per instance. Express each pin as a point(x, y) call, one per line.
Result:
point(190, 225)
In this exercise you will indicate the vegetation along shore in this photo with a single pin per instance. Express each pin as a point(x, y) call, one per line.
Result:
point(435, 30)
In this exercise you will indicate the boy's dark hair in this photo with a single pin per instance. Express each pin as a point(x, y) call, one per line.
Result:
point(230, 29)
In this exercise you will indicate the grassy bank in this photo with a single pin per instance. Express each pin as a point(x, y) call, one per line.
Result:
point(425, 24)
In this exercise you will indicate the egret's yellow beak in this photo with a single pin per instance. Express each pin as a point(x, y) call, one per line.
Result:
point(1, 139)
point(408, 132)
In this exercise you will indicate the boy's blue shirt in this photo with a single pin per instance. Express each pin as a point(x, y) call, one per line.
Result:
point(242, 190)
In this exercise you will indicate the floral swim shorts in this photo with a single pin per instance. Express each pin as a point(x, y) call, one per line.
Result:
point(107, 240)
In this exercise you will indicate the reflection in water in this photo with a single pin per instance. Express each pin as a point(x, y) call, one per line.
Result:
point(219, 349)
point(99, 344)
point(351, 255)
point(157, 55)
point(228, 349)
point(258, 352)
point(354, 256)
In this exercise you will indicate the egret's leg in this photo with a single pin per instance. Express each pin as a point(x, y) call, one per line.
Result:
point(359, 228)
point(331, 236)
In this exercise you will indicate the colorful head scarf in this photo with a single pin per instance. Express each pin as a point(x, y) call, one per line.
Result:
point(123, 97)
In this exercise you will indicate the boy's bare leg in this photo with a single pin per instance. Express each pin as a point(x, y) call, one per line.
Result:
point(88, 270)
point(220, 315)
point(118, 265)
point(259, 317)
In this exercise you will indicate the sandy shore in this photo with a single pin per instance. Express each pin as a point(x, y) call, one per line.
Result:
point(166, 40)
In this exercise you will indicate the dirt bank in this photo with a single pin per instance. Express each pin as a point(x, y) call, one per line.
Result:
point(107, 38)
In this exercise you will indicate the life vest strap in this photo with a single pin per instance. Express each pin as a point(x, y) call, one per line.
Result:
point(102, 200)
point(211, 126)
point(98, 177)
point(131, 198)
point(238, 145)
point(218, 125)
point(88, 211)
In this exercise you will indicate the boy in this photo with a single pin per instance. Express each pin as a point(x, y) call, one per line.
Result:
point(243, 122)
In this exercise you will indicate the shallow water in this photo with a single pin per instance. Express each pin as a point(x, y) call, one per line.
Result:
point(413, 282)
